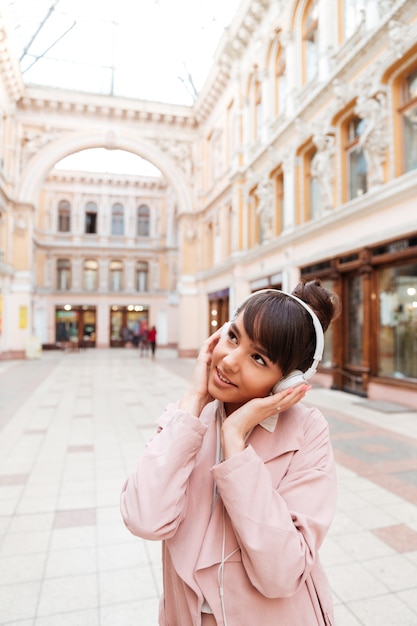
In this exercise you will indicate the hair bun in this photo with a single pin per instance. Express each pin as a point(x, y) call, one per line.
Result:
point(325, 303)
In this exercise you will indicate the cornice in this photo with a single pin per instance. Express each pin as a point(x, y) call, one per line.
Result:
point(116, 180)
point(231, 49)
point(48, 99)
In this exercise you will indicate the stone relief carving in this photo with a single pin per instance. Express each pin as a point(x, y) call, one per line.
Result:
point(373, 140)
point(180, 152)
point(322, 167)
point(33, 141)
point(397, 33)
point(265, 209)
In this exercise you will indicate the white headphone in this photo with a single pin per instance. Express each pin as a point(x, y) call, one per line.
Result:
point(297, 377)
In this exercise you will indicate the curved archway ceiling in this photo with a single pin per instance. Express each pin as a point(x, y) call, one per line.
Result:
point(158, 50)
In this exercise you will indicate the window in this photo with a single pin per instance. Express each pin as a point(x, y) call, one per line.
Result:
point(397, 331)
point(141, 276)
point(352, 16)
point(90, 275)
point(64, 216)
point(409, 116)
point(117, 219)
point(63, 274)
point(116, 276)
point(280, 82)
point(310, 41)
point(143, 221)
point(91, 218)
point(355, 159)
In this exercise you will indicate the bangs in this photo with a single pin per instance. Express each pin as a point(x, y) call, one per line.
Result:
point(278, 325)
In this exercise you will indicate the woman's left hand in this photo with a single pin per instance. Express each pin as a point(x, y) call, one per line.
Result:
point(239, 423)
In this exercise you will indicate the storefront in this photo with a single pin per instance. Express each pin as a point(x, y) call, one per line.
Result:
point(126, 323)
point(375, 339)
point(75, 325)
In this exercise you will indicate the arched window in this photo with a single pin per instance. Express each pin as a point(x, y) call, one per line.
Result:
point(64, 216)
point(310, 41)
point(117, 219)
point(408, 111)
point(355, 162)
point(116, 276)
point(141, 276)
point(63, 274)
point(280, 82)
point(91, 218)
point(143, 221)
point(90, 275)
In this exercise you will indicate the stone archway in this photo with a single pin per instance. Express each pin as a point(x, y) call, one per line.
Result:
point(37, 168)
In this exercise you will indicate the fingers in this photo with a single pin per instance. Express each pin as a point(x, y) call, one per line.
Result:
point(287, 398)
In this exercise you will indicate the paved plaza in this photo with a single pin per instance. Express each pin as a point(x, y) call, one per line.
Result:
point(71, 428)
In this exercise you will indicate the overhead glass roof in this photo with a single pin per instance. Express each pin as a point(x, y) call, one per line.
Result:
point(158, 50)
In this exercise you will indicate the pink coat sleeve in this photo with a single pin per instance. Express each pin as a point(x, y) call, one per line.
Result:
point(154, 496)
point(280, 527)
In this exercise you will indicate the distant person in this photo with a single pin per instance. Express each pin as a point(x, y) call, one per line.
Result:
point(152, 340)
point(144, 341)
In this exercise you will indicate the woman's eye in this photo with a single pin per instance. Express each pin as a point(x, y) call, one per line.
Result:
point(259, 359)
point(231, 335)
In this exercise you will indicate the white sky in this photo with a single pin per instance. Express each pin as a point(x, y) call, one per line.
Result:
point(137, 48)
point(111, 161)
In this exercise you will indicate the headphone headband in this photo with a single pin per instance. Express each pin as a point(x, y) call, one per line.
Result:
point(318, 353)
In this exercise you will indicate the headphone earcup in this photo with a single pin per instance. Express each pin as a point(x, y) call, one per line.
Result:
point(296, 377)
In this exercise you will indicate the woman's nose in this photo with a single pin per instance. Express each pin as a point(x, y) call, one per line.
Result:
point(231, 359)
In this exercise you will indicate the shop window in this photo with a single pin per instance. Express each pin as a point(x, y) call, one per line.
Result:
point(408, 112)
point(90, 275)
point(91, 218)
point(354, 311)
point(310, 41)
point(116, 276)
point(64, 216)
point(143, 221)
point(66, 325)
point(355, 159)
point(117, 219)
point(63, 274)
point(141, 276)
point(280, 82)
point(397, 329)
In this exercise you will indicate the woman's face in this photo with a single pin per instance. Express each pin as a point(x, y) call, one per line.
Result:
point(240, 370)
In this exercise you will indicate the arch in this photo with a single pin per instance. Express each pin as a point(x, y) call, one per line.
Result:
point(37, 168)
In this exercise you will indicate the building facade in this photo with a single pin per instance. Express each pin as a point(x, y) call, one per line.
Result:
point(298, 160)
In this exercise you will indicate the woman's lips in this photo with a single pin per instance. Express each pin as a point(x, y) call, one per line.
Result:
point(222, 379)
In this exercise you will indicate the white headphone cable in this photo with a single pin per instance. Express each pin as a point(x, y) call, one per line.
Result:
point(220, 572)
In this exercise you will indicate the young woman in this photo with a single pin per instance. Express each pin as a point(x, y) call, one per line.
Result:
point(239, 482)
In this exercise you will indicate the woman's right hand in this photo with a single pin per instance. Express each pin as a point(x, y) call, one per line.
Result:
point(197, 396)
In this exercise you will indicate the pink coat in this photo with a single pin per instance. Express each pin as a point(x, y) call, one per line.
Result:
point(279, 499)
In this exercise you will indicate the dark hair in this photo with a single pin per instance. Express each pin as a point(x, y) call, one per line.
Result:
point(284, 328)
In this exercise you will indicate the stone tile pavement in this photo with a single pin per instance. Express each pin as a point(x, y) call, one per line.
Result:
point(71, 428)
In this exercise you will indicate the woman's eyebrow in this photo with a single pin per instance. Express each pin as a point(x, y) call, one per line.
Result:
point(235, 330)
